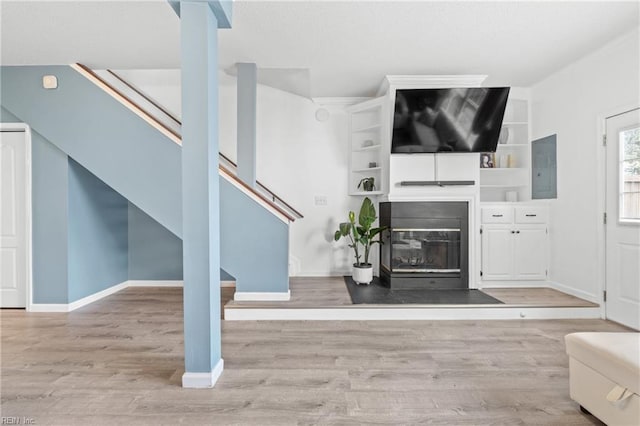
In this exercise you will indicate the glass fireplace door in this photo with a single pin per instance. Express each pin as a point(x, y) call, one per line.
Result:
point(425, 250)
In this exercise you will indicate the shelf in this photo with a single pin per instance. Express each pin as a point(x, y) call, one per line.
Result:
point(512, 145)
point(371, 169)
point(367, 148)
point(368, 128)
point(495, 169)
point(503, 186)
point(367, 193)
point(514, 123)
point(440, 183)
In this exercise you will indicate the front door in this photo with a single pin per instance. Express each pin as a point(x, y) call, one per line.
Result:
point(13, 220)
point(623, 219)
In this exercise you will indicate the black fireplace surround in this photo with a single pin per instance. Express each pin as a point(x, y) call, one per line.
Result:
point(426, 245)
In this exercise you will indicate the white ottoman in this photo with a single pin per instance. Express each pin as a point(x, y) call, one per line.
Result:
point(604, 371)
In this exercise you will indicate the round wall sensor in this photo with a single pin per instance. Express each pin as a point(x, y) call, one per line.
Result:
point(50, 82)
point(322, 114)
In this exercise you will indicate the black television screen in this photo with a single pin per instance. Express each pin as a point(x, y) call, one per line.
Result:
point(448, 120)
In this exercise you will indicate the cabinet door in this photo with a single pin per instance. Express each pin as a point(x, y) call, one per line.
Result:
point(497, 252)
point(530, 252)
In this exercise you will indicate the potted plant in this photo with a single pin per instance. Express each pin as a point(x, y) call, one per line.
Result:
point(368, 184)
point(361, 233)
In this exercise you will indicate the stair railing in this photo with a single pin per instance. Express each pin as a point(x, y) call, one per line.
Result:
point(262, 194)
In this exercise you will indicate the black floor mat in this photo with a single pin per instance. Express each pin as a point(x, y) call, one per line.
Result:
point(376, 293)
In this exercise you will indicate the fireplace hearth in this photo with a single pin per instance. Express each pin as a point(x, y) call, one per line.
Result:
point(426, 245)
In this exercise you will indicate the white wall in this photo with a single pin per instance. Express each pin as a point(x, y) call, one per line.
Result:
point(569, 103)
point(298, 158)
point(162, 86)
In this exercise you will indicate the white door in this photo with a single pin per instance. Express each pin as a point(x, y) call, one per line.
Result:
point(623, 219)
point(530, 252)
point(497, 253)
point(13, 221)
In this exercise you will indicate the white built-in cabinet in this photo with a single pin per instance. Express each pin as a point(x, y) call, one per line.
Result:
point(514, 242)
point(368, 145)
point(512, 159)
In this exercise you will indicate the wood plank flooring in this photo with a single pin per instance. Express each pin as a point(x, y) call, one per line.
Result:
point(331, 292)
point(120, 361)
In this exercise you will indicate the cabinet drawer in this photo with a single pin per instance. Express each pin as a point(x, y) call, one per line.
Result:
point(531, 215)
point(497, 215)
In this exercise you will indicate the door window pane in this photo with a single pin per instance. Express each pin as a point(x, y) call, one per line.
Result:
point(630, 174)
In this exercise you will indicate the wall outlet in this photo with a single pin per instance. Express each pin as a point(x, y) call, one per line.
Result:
point(320, 200)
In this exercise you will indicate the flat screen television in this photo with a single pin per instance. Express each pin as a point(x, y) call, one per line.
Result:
point(448, 120)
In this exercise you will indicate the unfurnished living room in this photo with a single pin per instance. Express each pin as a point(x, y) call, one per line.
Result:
point(319, 212)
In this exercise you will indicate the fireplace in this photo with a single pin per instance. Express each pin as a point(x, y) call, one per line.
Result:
point(426, 245)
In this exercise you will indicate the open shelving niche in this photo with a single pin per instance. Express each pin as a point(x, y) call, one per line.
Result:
point(514, 143)
point(367, 131)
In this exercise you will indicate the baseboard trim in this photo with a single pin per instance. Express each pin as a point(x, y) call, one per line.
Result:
point(69, 307)
point(48, 307)
point(574, 292)
point(246, 296)
point(155, 283)
point(97, 296)
point(203, 380)
point(514, 284)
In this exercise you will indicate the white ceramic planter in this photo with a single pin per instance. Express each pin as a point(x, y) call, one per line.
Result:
point(363, 274)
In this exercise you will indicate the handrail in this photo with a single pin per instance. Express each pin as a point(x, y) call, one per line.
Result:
point(148, 99)
point(87, 72)
point(273, 195)
point(256, 193)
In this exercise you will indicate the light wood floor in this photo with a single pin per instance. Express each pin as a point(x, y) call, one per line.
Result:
point(331, 292)
point(120, 360)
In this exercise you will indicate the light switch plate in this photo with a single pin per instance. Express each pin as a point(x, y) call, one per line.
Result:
point(50, 82)
point(320, 200)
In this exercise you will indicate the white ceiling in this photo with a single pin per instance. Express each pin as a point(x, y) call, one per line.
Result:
point(347, 46)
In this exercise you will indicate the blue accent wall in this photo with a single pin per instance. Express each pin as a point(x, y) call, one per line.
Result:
point(50, 226)
point(98, 234)
point(255, 242)
point(103, 135)
point(7, 117)
point(154, 252)
point(225, 276)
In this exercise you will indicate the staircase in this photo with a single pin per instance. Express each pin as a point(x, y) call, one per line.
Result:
point(167, 123)
point(137, 154)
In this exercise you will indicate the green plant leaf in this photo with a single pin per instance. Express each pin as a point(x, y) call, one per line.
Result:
point(376, 231)
point(352, 217)
point(337, 235)
point(345, 228)
point(367, 214)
